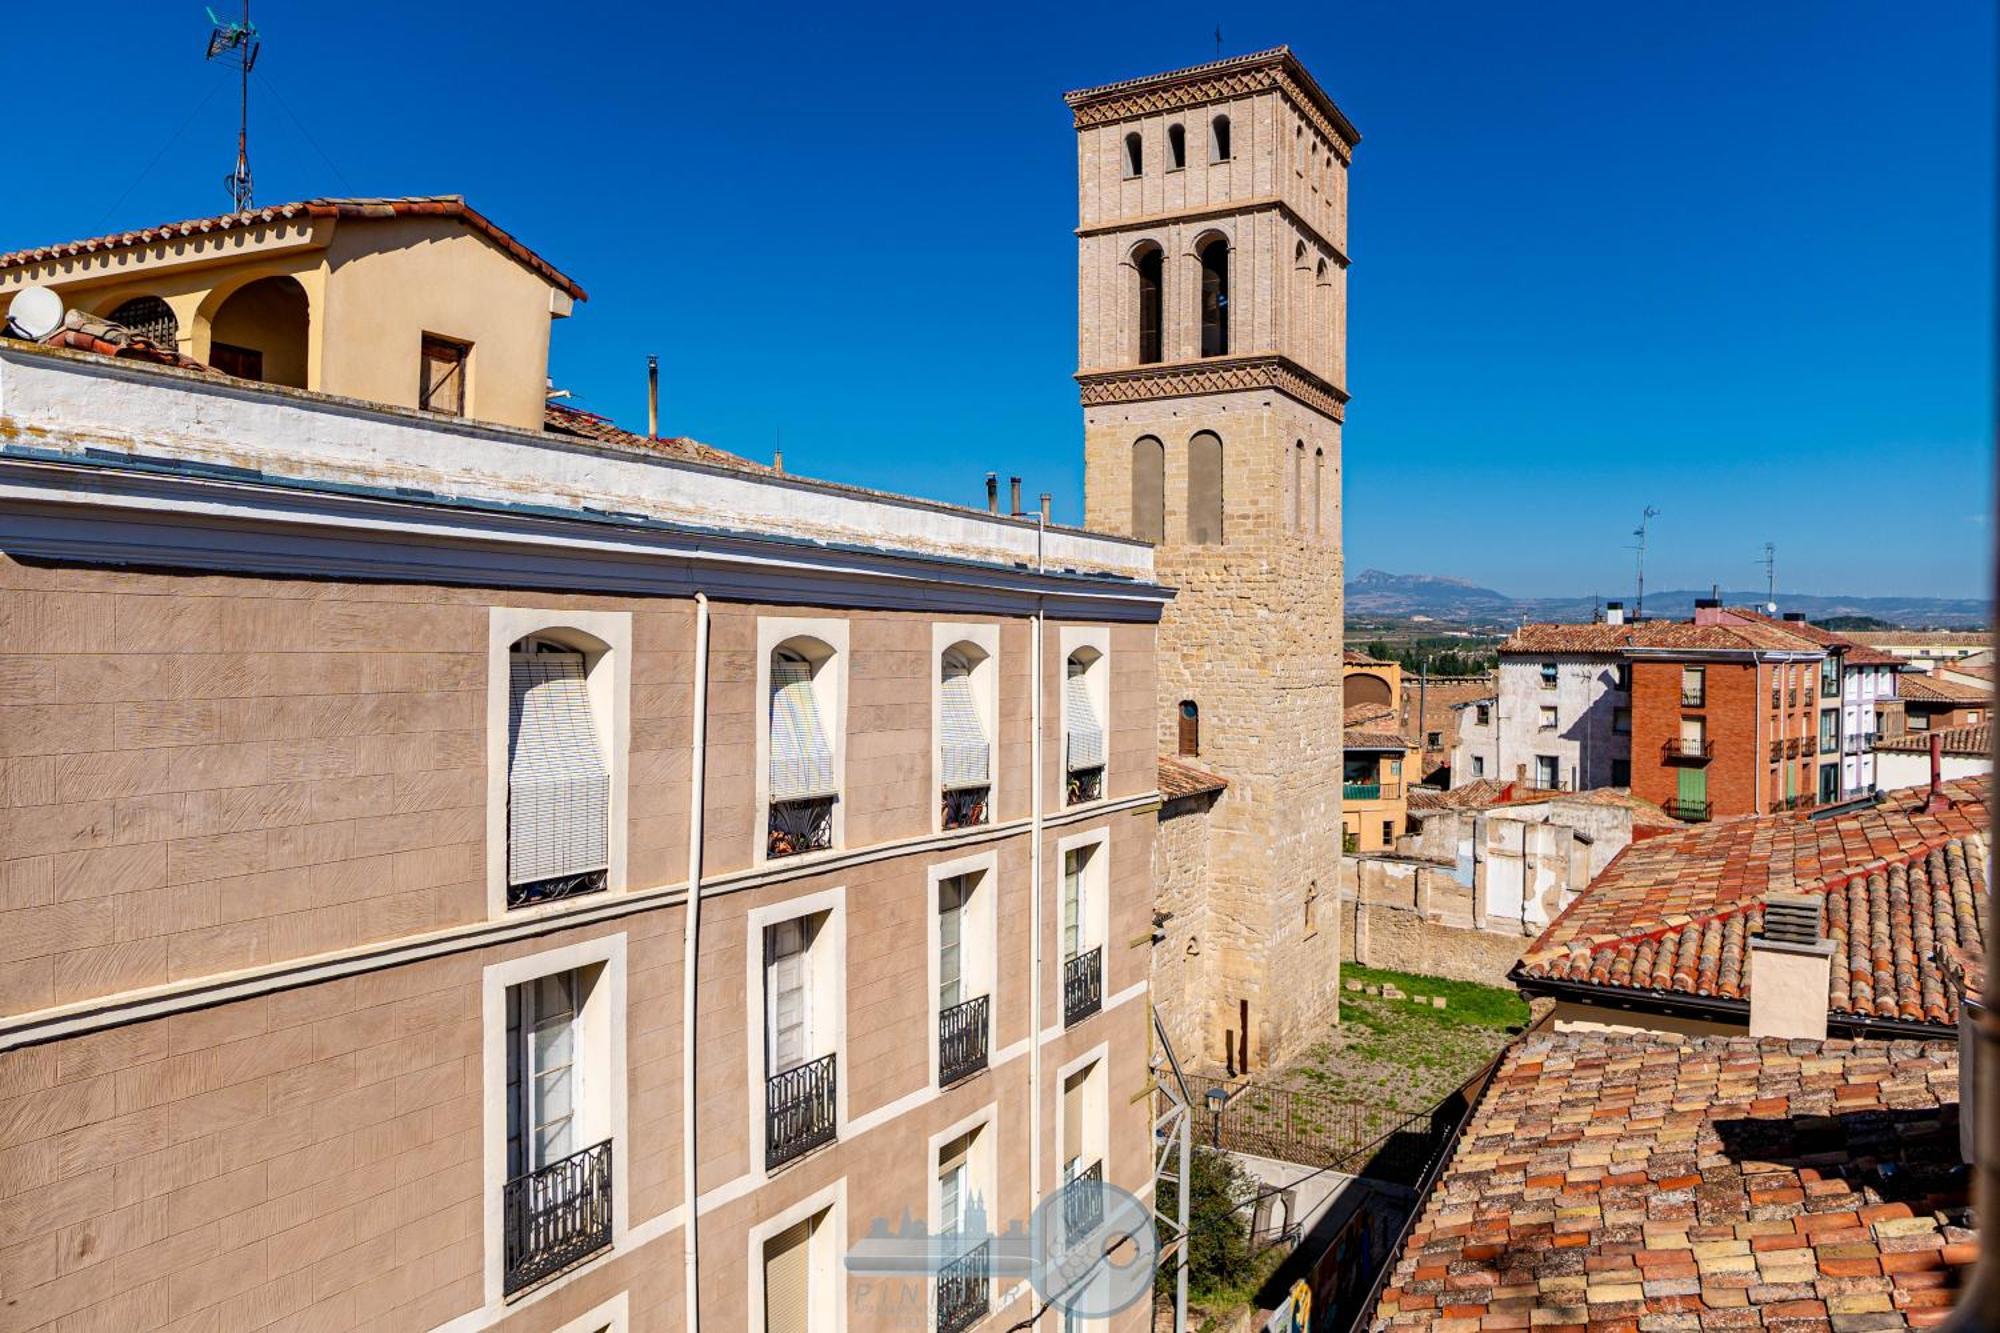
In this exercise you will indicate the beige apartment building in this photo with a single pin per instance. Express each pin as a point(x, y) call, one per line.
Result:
point(457, 874)
point(1212, 351)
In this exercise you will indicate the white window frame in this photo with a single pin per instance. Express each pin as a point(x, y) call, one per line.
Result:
point(981, 1170)
point(607, 681)
point(829, 1242)
point(1096, 1112)
point(1094, 920)
point(601, 1040)
point(1097, 684)
point(828, 996)
point(945, 636)
point(978, 944)
point(773, 632)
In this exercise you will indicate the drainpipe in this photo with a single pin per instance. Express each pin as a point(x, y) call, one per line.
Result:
point(1035, 898)
point(1979, 1303)
point(690, 953)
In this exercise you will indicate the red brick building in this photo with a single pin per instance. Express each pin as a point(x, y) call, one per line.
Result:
point(1723, 717)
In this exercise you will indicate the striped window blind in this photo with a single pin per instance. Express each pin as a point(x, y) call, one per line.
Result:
point(801, 762)
point(558, 790)
point(1086, 733)
point(964, 758)
point(788, 1279)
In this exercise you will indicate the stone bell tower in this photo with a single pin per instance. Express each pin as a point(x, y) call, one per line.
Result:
point(1212, 349)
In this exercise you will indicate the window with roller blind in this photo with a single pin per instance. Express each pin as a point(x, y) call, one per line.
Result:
point(558, 777)
point(788, 1284)
point(966, 713)
point(801, 733)
point(1084, 679)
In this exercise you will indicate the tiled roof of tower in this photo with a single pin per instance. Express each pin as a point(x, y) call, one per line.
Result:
point(1929, 689)
point(1277, 56)
point(1669, 880)
point(1178, 779)
point(1963, 742)
point(1667, 1184)
point(436, 205)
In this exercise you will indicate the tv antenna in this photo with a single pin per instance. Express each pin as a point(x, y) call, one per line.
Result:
point(237, 44)
point(1770, 563)
point(1639, 602)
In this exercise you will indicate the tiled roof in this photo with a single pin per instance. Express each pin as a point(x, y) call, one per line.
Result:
point(1424, 799)
point(1888, 927)
point(563, 419)
point(1975, 741)
point(1711, 868)
point(1976, 670)
point(1928, 689)
point(1360, 715)
point(1862, 655)
point(1919, 638)
point(1491, 793)
point(1664, 635)
point(1355, 657)
point(440, 205)
point(1356, 739)
point(1483, 792)
point(1178, 779)
point(1660, 1184)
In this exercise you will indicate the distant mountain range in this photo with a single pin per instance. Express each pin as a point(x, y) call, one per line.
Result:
point(1374, 592)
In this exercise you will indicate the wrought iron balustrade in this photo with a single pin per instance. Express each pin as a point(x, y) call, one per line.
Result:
point(1686, 749)
point(555, 1216)
point(1694, 698)
point(1694, 812)
point(561, 886)
point(963, 1289)
point(1083, 986)
point(964, 807)
point(798, 1111)
point(1083, 1203)
point(962, 1031)
point(800, 826)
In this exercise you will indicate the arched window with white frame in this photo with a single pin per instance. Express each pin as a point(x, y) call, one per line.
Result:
point(803, 781)
point(1084, 745)
point(558, 774)
point(965, 736)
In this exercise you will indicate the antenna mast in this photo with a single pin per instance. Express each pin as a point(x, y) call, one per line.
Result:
point(1639, 602)
point(237, 44)
point(1770, 578)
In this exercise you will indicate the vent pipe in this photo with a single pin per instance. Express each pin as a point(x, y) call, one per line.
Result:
point(652, 397)
point(993, 492)
point(1014, 497)
point(1047, 499)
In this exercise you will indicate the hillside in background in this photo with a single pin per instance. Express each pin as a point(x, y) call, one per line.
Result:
point(1375, 593)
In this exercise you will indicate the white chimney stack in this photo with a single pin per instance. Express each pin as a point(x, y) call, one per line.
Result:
point(1790, 969)
point(1614, 613)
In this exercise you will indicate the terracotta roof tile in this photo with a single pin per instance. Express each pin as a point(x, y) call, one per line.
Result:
point(1927, 689)
point(1919, 638)
point(564, 419)
point(1622, 1182)
point(1664, 635)
point(1359, 715)
point(1355, 657)
point(441, 205)
point(1974, 741)
point(1178, 778)
point(1356, 739)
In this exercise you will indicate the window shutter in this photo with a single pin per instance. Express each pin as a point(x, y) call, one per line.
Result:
point(558, 792)
point(787, 982)
point(964, 754)
point(801, 762)
point(1086, 734)
point(951, 914)
point(787, 1279)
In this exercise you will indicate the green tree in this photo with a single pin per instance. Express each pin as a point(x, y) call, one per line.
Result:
point(1219, 1194)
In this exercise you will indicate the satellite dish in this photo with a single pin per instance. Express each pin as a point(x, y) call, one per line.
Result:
point(36, 313)
point(1770, 608)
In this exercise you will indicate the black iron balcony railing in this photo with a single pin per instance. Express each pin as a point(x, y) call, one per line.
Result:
point(798, 1111)
point(1777, 700)
point(963, 1288)
point(1083, 1203)
point(964, 807)
point(1694, 812)
point(1083, 986)
point(962, 1040)
point(562, 886)
point(800, 826)
point(1687, 750)
point(553, 1217)
point(1085, 784)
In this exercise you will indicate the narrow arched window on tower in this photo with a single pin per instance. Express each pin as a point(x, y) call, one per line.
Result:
point(1214, 255)
point(1190, 737)
point(1218, 139)
point(1149, 489)
point(1299, 486)
point(1135, 155)
point(1151, 265)
point(1204, 489)
point(1176, 147)
point(1319, 492)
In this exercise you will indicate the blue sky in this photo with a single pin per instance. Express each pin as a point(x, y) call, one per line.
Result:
point(1730, 260)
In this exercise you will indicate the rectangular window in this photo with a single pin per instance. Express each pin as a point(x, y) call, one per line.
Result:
point(443, 385)
point(1621, 772)
point(1548, 720)
point(1478, 766)
point(1622, 677)
point(542, 1075)
point(788, 1279)
point(245, 363)
point(1482, 714)
point(558, 788)
point(1548, 771)
point(1694, 687)
point(1621, 721)
point(788, 992)
point(952, 894)
point(1388, 832)
point(1549, 675)
point(1073, 901)
point(1433, 740)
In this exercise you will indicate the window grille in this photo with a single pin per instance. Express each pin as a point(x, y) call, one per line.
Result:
point(149, 317)
point(558, 789)
point(964, 755)
point(801, 761)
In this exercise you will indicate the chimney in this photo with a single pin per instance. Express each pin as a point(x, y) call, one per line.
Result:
point(1708, 610)
point(1014, 497)
point(1614, 613)
point(993, 492)
point(652, 397)
point(1790, 968)
point(1047, 500)
point(1938, 802)
point(1795, 617)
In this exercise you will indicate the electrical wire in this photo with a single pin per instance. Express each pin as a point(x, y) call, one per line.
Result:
point(165, 144)
point(324, 156)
